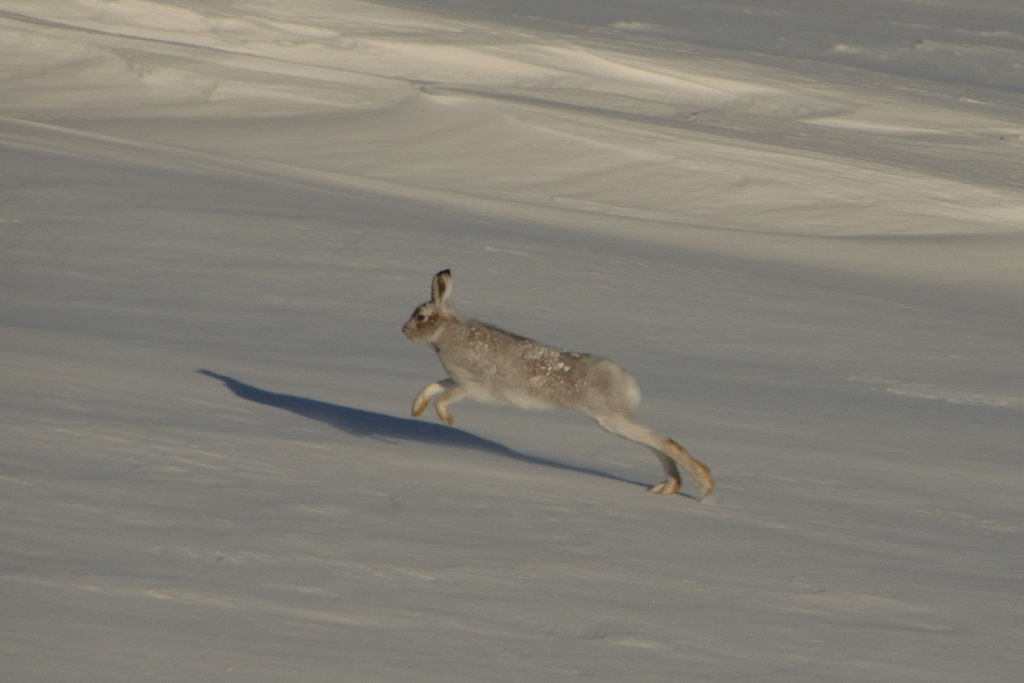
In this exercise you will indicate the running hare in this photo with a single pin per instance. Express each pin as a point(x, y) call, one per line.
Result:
point(491, 365)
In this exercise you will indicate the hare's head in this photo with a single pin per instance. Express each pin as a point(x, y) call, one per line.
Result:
point(427, 321)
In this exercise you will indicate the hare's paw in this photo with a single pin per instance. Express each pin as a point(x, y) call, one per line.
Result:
point(452, 393)
point(669, 487)
point(419, 405)
point(702, 475)
point(444, 413)
point(428, 392)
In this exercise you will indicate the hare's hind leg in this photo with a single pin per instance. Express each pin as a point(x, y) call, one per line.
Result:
point(672, 482)
point(669, 453)
point(697, 470)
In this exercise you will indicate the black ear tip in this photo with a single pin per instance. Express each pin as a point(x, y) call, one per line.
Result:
point(441, 286)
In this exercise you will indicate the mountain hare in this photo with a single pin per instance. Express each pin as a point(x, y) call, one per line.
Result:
point(489, 364)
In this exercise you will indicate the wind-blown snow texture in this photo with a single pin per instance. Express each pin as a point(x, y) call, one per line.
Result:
point(799, 224)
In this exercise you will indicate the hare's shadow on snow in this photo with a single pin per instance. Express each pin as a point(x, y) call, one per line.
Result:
point(365, 423)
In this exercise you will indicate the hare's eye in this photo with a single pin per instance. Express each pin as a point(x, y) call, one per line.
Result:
point(420, 317)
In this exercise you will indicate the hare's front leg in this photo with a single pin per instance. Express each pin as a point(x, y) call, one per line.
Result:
point(453, 393)
point(428, 392)
point(450, 393)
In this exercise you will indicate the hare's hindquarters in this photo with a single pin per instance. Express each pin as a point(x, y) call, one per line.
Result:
point(602, 387)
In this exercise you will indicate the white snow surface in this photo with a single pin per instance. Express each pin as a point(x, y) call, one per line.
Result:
point(799, 224)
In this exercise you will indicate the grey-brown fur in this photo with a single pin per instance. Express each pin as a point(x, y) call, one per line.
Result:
point(488, 364)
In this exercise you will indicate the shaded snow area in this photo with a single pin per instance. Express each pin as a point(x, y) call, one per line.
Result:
point(799, 224)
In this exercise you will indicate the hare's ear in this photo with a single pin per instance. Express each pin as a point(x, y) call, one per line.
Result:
point(441, 287)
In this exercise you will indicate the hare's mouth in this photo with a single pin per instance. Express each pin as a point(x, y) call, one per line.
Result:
point(412, 331)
